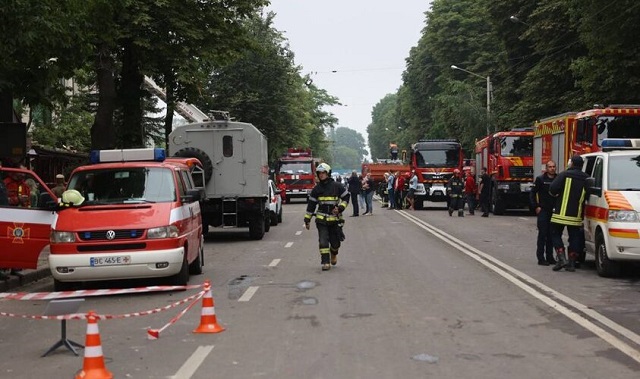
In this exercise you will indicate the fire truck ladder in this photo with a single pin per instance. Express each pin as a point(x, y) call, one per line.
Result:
point(229, 211)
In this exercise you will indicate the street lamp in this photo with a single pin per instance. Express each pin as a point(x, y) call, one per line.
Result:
point(489, 89)
point(515, 19)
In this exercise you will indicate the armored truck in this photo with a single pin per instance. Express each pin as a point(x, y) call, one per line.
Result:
point(235, 172)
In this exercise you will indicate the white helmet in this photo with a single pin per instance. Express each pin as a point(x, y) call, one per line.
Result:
point(72, 197)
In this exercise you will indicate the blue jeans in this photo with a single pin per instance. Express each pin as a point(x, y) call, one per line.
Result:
point(392, 199)
point(368, 199)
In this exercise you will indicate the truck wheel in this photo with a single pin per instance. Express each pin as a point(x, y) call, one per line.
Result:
point(605, 267)
point(257, 228)
point(498, 207)
point(195, 268)
point(182, 277)
point(192, 152)
point(267, 224)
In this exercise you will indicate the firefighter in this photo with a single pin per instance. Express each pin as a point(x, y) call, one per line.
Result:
point(455, 189)
point(18, 192)
point(393, 150)
point(330, 199)
point(542, 202)
point(569, 189)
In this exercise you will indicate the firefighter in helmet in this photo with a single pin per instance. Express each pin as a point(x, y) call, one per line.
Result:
point(283, 190)
point(327, 201)
point(455, 190)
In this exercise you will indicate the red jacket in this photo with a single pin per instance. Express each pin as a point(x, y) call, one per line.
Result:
point(469, 185)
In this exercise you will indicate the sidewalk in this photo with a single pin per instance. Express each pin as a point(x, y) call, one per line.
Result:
point(27, 276)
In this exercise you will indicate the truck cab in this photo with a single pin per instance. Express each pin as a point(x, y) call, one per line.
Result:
point(612, 219)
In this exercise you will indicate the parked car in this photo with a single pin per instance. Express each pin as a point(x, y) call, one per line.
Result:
point(275, 204)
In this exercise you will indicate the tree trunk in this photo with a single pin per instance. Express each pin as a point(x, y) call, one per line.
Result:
point(131, 93)
point(6, 106)
point(103, 134)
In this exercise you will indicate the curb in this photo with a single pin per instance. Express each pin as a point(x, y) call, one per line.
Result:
point(28, 276)
point(25, 277)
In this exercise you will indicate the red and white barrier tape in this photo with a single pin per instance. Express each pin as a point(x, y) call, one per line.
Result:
point(154, 334)
point(83, 316)
point(88, 293)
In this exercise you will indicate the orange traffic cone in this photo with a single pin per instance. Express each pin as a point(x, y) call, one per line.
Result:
point(208, 321)
point(93, 366)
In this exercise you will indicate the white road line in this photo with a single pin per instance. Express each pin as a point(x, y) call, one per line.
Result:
point(248, 294)
point(274, 263)
point(289, 244)
point(298, 232)
point(523, 218)
point(542, 293)
point(195, 360)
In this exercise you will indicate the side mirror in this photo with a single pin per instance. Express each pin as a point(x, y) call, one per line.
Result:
point(591, 187)
point(191, 196)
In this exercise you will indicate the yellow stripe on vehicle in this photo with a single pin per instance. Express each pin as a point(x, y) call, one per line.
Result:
point(624, 233)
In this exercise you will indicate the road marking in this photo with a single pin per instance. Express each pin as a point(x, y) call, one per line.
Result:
point(298, 232)
point(289, 244)
point(274, 263)
point(523, 218)
point(248, 294)
point(195, 360)
point(542, 292)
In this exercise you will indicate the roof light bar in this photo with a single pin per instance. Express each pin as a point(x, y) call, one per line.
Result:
point(128, 155)
point(609, 144)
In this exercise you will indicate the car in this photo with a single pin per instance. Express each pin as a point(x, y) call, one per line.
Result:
point(612, 220)
point(275, 204)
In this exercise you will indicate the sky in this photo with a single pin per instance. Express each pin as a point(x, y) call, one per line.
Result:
point(353, 49)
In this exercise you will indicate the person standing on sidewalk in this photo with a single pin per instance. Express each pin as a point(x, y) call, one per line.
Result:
point(369, 189)
point(569, 189)
point(542, 202)
point(413, 186)
point(391, 181)
point(331, 199)
point(354, 190)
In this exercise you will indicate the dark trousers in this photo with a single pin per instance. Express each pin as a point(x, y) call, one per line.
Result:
point(575, 237)
point(328, 240)
point(456, 202)
point(399, 199)
point(484, 205)
point(354, 203)
point(392, 198)
point(471, 201)
point(544, 250)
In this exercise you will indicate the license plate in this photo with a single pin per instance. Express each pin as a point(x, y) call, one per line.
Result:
point(437, 193)
point(295, 190)
point(110, 260)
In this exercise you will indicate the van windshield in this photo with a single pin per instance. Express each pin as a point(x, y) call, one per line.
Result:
point(624, 173)
point(125, 185)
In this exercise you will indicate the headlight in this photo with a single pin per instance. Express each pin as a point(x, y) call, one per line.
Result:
point(62, 237)
point(623, 216)
point(163, 232)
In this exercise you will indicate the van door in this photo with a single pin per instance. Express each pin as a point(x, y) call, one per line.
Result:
point(25, 218)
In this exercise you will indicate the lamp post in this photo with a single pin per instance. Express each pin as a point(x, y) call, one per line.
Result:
point(489, 89)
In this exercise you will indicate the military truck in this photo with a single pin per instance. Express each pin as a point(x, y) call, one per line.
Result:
point(235, 172)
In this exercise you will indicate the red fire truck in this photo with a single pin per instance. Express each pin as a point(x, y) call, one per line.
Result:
point(508, 156)
point(297, 168)
point(562, 136)
point(434, 161)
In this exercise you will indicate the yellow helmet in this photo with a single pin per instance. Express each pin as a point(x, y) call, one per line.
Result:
point(323, 167)
point(72, 197)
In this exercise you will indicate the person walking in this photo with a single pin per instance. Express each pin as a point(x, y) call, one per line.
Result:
point(569, 190)
point(354, 190)
point(455, 189)
point(542, 202)
point(413, 186)
point(368, 187)
point(484, 192)
point(327, 201)
point(470, 192)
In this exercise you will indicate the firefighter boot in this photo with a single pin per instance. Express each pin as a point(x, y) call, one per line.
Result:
point(460, 213)
point(571, 265)
point(334, 257)
point(324, 260)
point(561, 260)
point(450, 211)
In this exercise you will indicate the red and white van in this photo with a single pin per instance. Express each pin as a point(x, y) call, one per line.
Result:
point(132, 215)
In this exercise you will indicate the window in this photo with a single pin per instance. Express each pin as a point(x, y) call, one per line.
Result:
point(227, 146)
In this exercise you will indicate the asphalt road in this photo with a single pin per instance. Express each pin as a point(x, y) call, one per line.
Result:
point(414, 295)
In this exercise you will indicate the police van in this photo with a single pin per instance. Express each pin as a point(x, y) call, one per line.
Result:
point(130, 214)
point(612, 222)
